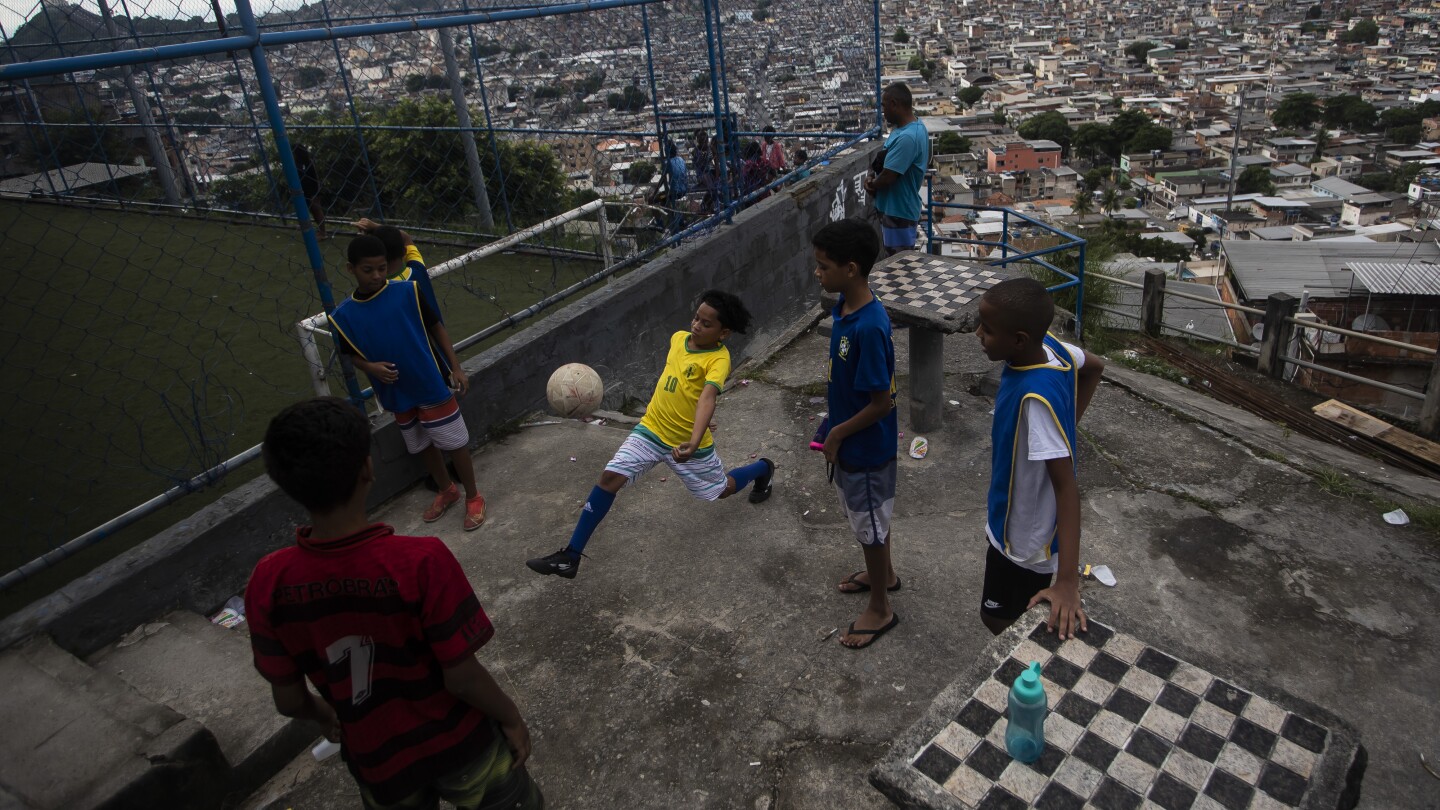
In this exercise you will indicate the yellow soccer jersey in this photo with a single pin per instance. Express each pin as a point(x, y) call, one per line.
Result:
point(671, 414)
point(412, 254)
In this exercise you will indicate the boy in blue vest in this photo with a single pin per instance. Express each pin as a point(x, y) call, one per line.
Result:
point(863, 429)
point(675, 430)
point(406, 263)
point(1033, 519)
point(393, 335)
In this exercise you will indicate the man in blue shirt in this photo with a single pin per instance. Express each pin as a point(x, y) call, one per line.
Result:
point(907, 156)
point(863, 428)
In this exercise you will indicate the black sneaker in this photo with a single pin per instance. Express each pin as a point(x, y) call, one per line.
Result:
point(761, 489)
point(561, 563)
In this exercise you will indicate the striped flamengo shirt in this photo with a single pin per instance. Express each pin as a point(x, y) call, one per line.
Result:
point(371, 619)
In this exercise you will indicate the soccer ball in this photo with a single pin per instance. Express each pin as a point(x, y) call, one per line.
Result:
point(574, 390)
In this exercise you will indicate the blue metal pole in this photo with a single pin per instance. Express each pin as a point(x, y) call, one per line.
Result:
point(1080, 295)
point(1004, 234)
point(292, 178)
point(930, 244)
point(721, 158)
point(879, 112)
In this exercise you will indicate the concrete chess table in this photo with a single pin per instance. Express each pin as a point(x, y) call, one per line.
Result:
point(1130, 726)
point(935, 296)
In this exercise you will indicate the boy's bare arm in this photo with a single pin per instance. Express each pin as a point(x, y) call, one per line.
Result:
point(879, 405)
point(296, 700)
point(442, 339)
point(1064, 595)
point(380, 370)
point(1089, 381)
point(704, 412)
point(470, 681)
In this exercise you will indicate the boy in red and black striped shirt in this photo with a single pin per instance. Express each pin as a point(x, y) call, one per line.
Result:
point(385, 627)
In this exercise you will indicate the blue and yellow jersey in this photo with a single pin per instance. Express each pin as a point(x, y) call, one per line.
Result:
point(670, 416)
point(415, 271)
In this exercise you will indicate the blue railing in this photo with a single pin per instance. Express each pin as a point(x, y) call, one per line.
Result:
point(1072, 242)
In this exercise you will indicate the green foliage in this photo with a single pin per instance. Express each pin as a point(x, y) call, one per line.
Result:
point(1181, 44)
point(1255, 180)
point(1083, 205)
point(214, 102)
point(900, 35)
point(632, 99)
point(546, 92)
point(968, 96)
point(484, 48)
point(1137, 50)
point(1314, 12)
point(1296, 111)
point(1397, 118)
point(1365, 32)
point(1113, 237)
point(417, 82)
point(588, 85)
point(1350, 112)
point(66, 145)
point(200, 119)
point(420, 174)
point(952, 143)
point(700, 81)
point(1397, 180)
point(1110, 200)
point(1095, 178)
point(1149, 138)
point(999, 116)
point(1049, 126)
point(1198, 234)
point(309, 76)
point(1091, 138)
point(640, 172)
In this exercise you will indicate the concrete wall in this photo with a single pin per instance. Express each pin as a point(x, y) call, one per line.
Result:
point(621, 330)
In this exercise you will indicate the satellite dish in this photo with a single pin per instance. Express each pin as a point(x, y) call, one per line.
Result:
point(1370, 323)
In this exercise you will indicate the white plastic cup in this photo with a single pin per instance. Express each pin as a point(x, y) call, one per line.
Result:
point(324, 750)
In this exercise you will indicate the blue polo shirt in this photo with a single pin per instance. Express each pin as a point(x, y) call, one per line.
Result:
point(907, 153)
point(862, 360)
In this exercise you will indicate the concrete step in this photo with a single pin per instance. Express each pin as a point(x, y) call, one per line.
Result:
point(75, 738)
point(205, 672)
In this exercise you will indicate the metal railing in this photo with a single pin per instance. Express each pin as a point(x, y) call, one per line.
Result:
point(1007, 215)
point(1280, 322)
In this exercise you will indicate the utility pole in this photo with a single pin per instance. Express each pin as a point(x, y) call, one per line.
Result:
point(147, 121)
point(467, 135)
point(1235, 144)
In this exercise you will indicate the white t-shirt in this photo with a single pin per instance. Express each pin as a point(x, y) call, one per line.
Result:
point(1032, 497)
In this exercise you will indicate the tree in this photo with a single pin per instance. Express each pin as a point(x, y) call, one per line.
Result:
point(1123, 127)
point(1049, 126)
point(632, 99)
point(85, 140)
point(1313, 13)
point(1083, 205)
point(1349, 112)
point(700, 81)
point(1181, 44)
point(1094, 179)
point(1110, 200)
point(1198, 234)
point(1255, 180)
point(309, 76)
point(1091, 138)
point(952, 143)
point(639, 173)
point(1296, 111)
point(1149, 138)
point(1137, 50)
point(1322, 140)
point(999, 116)
point(900, 35)
point(1365, 32)
point(970, 95)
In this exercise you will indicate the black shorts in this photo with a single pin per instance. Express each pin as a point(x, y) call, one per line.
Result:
point(1008, 587)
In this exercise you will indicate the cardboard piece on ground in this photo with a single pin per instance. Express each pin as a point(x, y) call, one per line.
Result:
point(1366, 425)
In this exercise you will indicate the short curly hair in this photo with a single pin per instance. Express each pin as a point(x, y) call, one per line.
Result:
point(314, 450)
point(732, 312)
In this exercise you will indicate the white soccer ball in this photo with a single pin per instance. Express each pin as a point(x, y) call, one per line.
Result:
point(574, 390)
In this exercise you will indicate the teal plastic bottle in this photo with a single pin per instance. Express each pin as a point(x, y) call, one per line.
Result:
point(1025, 729)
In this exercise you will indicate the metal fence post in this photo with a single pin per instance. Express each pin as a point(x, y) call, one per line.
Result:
point(1152, 303)
point(1279, 308)
point(467, 134)
point(1430, 409)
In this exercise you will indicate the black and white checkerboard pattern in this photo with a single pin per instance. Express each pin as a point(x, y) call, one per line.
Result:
point(1129, 727)
point(931, 284)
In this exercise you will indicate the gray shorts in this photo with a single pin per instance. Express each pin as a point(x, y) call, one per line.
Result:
point(867, 496)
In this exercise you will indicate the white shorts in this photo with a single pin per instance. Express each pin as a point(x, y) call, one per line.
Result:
point(704, 475)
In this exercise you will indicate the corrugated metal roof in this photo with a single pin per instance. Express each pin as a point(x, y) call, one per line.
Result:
point(1398, 278)
point(69, 179)
point(1320, 266)
point(1180, 314)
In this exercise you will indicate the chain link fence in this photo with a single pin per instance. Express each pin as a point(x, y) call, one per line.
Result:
point(161, 260)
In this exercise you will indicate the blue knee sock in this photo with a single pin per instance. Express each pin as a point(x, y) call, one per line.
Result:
point(590, 516)
point(744, 475)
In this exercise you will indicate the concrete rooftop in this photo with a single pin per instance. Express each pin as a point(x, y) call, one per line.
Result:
point(689, 664)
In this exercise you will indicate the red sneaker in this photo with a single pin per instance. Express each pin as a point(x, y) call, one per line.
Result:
point(474, 512)
point(441, 504)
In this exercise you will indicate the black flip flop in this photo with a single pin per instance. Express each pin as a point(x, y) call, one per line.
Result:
point(873, 634)
point(864, 587)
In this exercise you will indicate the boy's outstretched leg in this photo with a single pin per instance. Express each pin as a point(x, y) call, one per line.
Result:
point(877, 617)
point(566, 561)
point(762, 472)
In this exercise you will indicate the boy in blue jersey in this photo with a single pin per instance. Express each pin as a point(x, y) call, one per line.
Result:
point(404, 259)
point(392, 334)
point(863, 428)
point(675, 429)
point(1033, 514)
